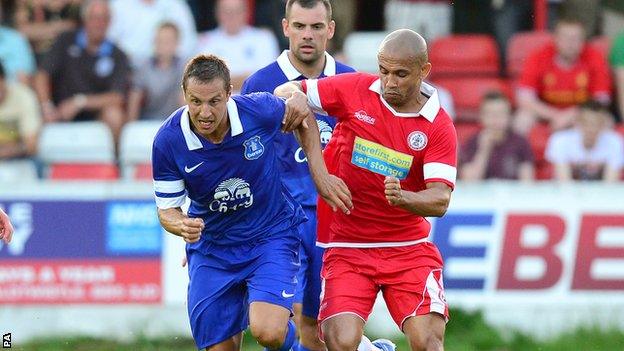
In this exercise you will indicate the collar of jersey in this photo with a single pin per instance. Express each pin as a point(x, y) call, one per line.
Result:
point(291, 72)
point(429, 110)
point(192, 140)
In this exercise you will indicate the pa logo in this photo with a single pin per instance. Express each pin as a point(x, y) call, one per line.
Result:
point(253, 148)
point(6, 341)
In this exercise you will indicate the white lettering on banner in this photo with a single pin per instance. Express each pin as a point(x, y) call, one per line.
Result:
point(143, 215)
point(24, 274)
point(22, 220)
point(89, 274)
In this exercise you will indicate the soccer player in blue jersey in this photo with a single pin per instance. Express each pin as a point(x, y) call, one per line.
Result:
point(241, 226)
point(308, 25)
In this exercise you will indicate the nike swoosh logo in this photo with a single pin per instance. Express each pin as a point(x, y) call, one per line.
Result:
point(189, 170)
point(284, 294)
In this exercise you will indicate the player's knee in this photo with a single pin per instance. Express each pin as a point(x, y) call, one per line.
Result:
point(427, 342)
point(269, 336)
point(309, 334)
point(342, 339)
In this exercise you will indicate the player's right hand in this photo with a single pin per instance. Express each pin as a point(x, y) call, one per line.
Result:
point(336, 193)
point(192, 229)
point(296, 112)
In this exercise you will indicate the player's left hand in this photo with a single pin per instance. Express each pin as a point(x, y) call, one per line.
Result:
point(336, 193)
point(297, 110)
point(393, 191)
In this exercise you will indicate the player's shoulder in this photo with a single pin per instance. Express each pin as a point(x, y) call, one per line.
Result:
point(343, 68)
point(170, 128)
point(254, 102)
point(265, 77)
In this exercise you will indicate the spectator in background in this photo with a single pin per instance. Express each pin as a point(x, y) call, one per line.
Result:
point(245, 49)
point(16, 55)
point(42, 21)
point(431, 18)
point(617, 62)
point(84, 76)
point(20, 120)
point(134, 24)
point(496, 152)
point(559, 77)
point(156, 89)
point(590, 151)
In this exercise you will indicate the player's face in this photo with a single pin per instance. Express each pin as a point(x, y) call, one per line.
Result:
point(401, 78)
point(569, 39)
point(207, 104)
point(308, 31)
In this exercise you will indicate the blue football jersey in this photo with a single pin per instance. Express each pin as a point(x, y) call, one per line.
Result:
point(233, 186)
point(292, 160)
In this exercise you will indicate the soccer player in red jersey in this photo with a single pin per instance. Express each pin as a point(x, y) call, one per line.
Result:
point(396, 150)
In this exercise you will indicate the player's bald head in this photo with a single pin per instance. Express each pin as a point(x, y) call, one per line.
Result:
point(404, 44)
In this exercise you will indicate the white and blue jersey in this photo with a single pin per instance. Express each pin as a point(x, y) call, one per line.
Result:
point(233, 186)
point(293, 163)
point(296, 175)
point(249, 248)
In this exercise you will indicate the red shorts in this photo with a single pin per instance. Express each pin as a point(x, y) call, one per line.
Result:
point(410, 278)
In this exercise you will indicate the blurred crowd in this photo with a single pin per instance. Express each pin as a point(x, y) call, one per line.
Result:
point(120, 61)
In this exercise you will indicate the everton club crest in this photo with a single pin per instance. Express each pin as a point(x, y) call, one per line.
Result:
point(253, 148)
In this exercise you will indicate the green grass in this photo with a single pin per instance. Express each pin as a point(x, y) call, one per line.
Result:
point(465, 332)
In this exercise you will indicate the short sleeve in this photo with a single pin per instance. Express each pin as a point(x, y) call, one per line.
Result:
point(120, 81)
point(53, 60)
point(524, 150)
point(268, 108)
point(30, 122)
point(440, 161)
point(616, 159)
point(531, 75)
point(600, 82)
point(616, 56)
point(556, 149)
point(169, 189)
point(327, 95)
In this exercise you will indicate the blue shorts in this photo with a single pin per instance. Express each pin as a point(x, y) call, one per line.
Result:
point(309, 275)
point(228, 278)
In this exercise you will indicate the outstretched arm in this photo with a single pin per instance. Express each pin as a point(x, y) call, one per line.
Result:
point(331, 188)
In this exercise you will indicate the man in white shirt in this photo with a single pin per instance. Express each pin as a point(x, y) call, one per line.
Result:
point(245, 49)
point(590, 151)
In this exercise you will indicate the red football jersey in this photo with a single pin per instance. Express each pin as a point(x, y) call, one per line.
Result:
point(372, 141)
point(589, 78)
